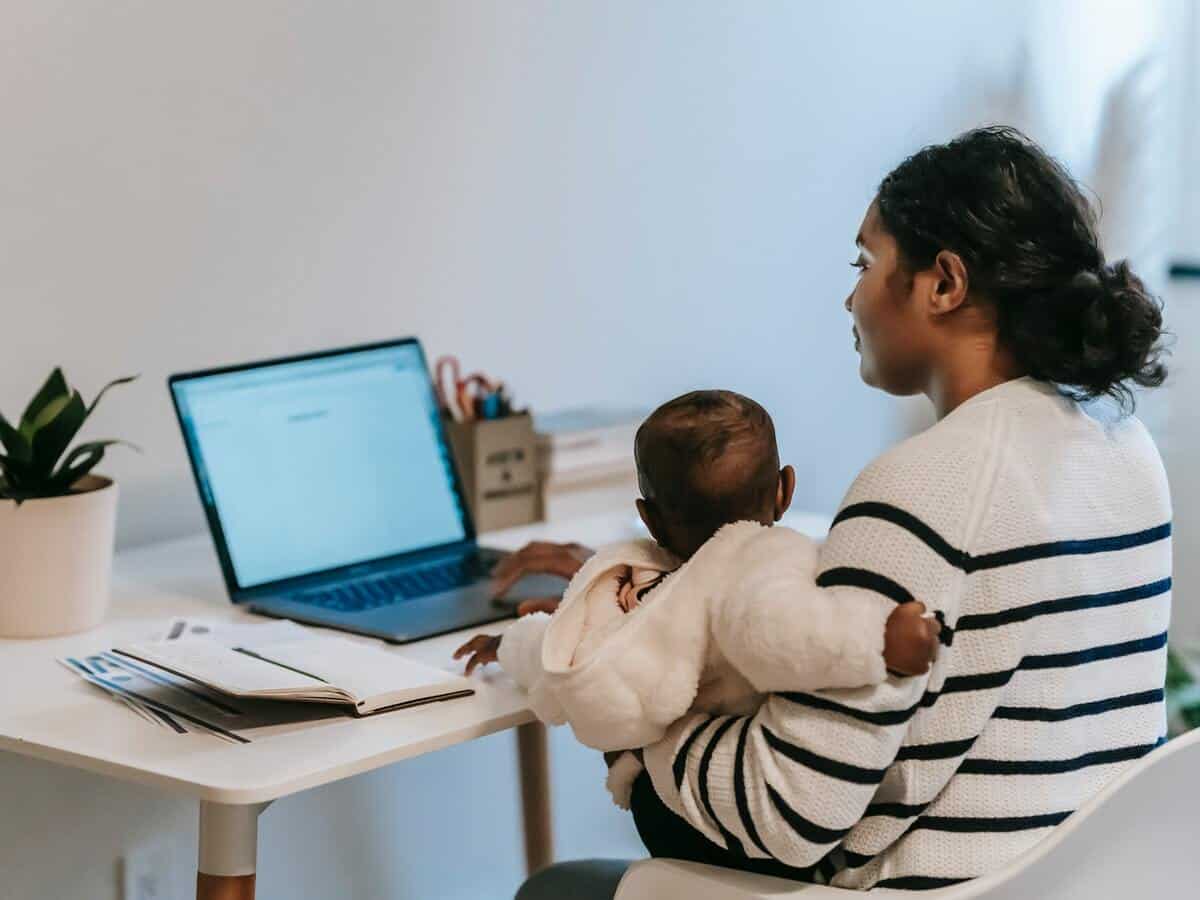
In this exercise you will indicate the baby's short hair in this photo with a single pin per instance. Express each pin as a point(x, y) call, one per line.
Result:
point(709, 458)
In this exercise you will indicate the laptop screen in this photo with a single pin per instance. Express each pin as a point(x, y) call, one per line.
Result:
point(319, 463)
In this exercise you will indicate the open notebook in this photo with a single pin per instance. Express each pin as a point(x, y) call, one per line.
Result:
point(317, 669)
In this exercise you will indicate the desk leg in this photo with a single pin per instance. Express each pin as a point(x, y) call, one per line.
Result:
point(534, 758)
point(228, 851)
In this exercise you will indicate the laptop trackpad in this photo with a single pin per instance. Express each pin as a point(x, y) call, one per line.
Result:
point(533, 587)
point(464, 608)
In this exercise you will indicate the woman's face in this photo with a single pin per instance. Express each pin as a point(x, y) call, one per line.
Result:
point(891, 333)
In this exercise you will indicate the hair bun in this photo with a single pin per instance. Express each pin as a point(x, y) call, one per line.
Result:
point(1117, 327)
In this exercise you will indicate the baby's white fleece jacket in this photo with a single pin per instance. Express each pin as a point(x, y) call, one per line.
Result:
point(743, 617)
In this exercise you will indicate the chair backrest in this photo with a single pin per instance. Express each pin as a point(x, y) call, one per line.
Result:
point(1138, 838)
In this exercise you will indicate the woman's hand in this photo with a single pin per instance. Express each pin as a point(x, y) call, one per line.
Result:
point(910, 639)
point(538, 558)
point(483, 649)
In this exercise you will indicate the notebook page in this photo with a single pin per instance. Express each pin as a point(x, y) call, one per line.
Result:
point(225, 668)
point(368, 673)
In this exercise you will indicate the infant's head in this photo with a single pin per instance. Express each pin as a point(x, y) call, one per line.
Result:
point(704, 460)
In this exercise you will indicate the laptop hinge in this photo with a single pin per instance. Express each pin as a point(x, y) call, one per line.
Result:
point(357, 570)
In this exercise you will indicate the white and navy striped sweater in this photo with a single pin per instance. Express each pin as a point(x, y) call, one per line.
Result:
point(1042, 536)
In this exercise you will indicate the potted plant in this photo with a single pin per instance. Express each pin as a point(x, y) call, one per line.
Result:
point(57, 520)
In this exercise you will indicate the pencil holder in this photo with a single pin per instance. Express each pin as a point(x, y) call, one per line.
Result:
point(496, 461)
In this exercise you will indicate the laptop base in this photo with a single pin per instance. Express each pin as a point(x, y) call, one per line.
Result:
point(412, 620)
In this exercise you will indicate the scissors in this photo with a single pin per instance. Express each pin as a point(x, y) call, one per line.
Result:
point(447, 399)
point(461, 398)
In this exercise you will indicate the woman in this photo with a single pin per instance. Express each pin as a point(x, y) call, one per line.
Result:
point(1036, 526)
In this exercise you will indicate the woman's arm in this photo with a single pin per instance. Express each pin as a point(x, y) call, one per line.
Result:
point(789, 782)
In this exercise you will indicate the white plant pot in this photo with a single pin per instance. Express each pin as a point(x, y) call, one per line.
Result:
point(56, 560)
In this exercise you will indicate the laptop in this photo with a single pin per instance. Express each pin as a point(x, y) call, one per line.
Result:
point(332, 495)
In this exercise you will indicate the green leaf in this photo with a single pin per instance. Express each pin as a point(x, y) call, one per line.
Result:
point(65, 478)
point(17, 473)
point(16, 443)
point(104, 390)
point(91, 446)
point(10, 471)
point(55, 432)
point(11, 488)
point(81, 460)
point(55, 386)
point(30, 426)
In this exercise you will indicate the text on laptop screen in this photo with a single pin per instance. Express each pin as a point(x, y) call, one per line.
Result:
point(322, 463)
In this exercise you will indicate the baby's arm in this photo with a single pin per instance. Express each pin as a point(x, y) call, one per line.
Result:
point(518, 650)
point(783, 632)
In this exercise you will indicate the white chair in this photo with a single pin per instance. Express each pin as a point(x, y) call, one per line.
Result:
point(1139, 838)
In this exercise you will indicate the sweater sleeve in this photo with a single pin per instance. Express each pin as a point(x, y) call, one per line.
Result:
point(791, 781)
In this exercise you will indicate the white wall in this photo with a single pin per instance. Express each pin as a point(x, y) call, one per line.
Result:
point(1184, 48)
point(601, 202)
point(1183, 308)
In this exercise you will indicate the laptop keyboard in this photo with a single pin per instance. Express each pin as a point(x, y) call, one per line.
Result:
point(396, 587)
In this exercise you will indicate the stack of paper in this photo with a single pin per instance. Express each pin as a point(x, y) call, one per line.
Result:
point(180, 705)
point(585, 444)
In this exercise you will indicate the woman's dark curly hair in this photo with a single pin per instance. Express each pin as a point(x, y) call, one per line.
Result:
point(1027, 237)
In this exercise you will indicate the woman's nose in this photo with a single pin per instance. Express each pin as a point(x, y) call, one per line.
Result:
point(849, 297)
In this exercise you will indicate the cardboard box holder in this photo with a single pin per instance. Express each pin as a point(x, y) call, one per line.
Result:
point(497, 461)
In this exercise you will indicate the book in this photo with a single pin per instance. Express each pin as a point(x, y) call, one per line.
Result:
point(566, 424)
point(316, 669)
point(586, 442)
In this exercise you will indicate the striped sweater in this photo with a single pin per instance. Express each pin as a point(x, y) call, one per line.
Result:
point(1041, 536)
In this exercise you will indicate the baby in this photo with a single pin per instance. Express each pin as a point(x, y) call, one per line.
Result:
point(718, 610)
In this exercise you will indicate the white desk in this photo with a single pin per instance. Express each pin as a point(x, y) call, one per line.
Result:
point(62, 719)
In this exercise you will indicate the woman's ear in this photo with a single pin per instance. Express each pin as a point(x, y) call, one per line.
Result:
point(783, 494)
point(950, 283)
point(652, 521)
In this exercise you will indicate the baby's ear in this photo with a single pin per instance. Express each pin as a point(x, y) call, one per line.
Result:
point(785, 491)
point(650, 519)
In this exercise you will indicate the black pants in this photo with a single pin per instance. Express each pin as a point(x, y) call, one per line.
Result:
point(580, 879)
point(668, 836)
point(665, 835)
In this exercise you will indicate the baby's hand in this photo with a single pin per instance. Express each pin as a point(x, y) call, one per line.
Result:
point(910, 640)
point(482, 647)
